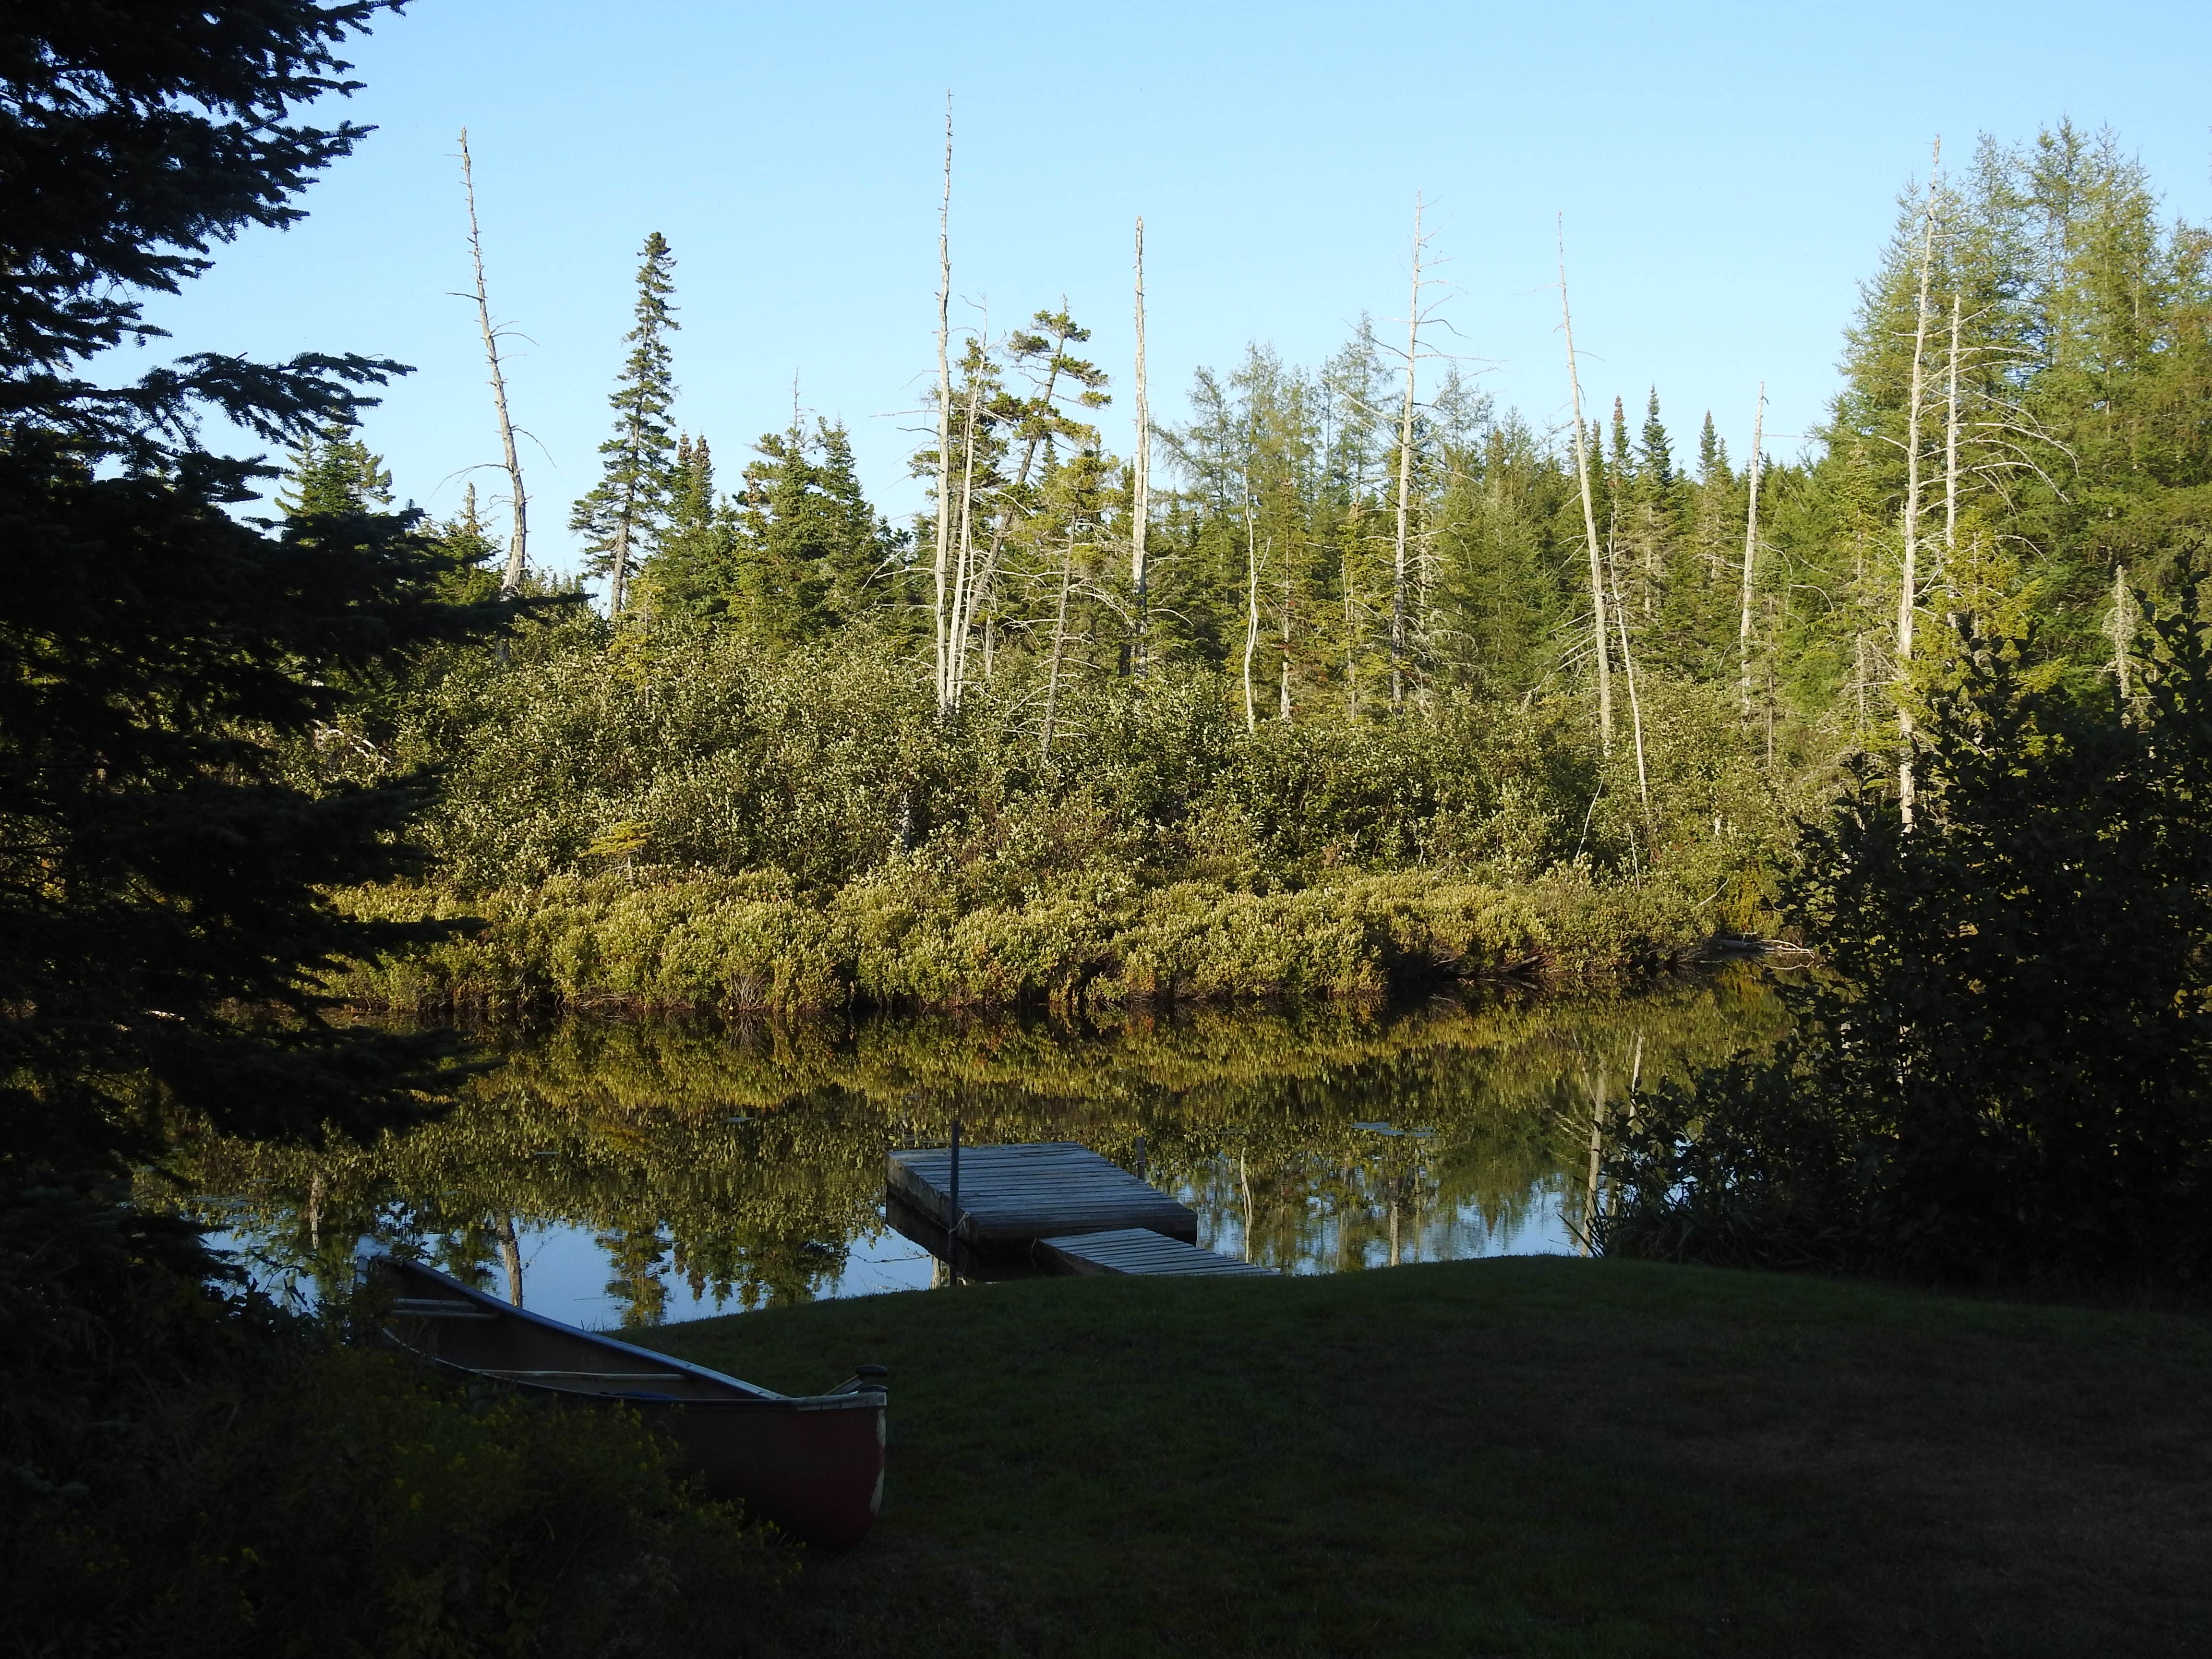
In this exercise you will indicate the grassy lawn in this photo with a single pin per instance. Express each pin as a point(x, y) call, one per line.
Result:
point(1515, 1456)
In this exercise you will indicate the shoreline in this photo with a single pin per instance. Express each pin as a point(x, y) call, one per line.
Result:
point(702, 943)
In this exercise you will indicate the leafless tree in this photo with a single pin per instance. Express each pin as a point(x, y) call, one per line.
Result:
point(1751, 548)
point(517, 547)
point(939, 614)
point(1141, 479)
point(1589, 511)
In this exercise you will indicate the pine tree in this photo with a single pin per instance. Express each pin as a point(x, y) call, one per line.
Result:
point(623, 514)
point(332, 471)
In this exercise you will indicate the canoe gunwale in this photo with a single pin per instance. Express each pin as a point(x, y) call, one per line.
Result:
point(812, 1464)
point(742, 1395)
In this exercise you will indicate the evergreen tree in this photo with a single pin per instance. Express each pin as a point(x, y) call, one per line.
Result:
point(1654, 456)
point(164, 866)
point(693, 566)
point(2005, 1069)
point(465, 541)
point(332, 471)
point(809, 553)
point(622, 517)
point(1712, 454)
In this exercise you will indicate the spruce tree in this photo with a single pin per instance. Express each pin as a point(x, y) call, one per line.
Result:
point(809, 546)
point(1712, 453)
point(693, 567)
point(1654, 452)
point(623, 514)
point(332, 471)
point(466, 541)
point(164, 863)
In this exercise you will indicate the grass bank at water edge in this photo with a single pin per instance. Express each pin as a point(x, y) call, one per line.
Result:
point(741, 943)
point(1520, 1457)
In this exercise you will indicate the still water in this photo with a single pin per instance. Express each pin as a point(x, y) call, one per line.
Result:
point(630, 1174)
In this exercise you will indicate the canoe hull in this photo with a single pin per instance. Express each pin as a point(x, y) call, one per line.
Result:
point(817, 1472)
point(812, 1464)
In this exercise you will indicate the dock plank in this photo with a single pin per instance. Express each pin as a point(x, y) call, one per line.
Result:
point(1014, 1195)
point(1138, 1250)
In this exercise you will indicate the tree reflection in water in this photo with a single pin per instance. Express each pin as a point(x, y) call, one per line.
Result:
point(745, 1162)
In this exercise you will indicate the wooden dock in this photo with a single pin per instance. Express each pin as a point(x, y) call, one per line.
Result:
point(1137, 1250)
point(1012, 1196)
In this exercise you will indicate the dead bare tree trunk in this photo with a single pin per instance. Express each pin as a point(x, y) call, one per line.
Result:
point(1635, 706)
point(510, 1253)
point(1587, 1244)
point(2123, 632)
point(519, 542)
point(1351, 617)
point(620, 585)
point(1589, 512)
point(1951, 442)
point(956, 668)
point(940, 618)
point(1283, 708)
point(1908, 585)
point(1404, 474)
point(1058, 645)
point(1751, 549)
point(1252, 610)
point(1140, 479)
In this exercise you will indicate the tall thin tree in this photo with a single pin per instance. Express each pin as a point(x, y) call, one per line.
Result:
point(1140, 486)
point(1252, 607)
point(1589, 511)
point(1059, 644)
point(1400, 543)
point(940, 613)
point(1908, 583)
point(1951, 435)
point(1628, 667)
point(958, 623)
point(1751, 548)
point(517, 547)
point(630, 501)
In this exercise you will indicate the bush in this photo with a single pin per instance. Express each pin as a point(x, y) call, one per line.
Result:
point(909, 936)
point(289, 1496)
point(2006, 1068)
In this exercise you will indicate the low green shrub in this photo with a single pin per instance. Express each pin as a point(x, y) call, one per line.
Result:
point(305, 1497)
point(899, 940)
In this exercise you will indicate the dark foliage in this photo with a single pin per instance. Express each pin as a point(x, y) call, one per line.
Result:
point(2005, 1069)
point(162, 862)
point(278, 1492)
point(133, 134)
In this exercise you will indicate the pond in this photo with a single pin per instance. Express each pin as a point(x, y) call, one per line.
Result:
point(617, 1173)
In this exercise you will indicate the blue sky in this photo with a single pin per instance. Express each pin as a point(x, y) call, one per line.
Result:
point(1728, 175)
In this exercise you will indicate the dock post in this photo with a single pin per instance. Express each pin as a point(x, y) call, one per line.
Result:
point(1140, 1157)
point(953, 1205)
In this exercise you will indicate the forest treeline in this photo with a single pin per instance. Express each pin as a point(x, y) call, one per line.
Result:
point(1371, 627)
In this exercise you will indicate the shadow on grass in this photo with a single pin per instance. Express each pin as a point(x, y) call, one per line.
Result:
point(1534, 1456)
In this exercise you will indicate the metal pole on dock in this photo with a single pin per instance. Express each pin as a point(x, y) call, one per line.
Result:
point(952, 1204)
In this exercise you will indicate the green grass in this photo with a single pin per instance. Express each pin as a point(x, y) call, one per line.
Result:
point(1518, 1456)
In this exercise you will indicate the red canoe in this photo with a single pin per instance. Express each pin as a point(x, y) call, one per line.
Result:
point(813, 1464)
